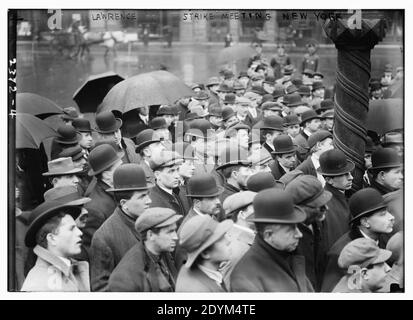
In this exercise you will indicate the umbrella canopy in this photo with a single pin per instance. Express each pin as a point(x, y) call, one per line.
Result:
point(146, 89)
point(235, 53)
point(385, 115)
point(31, 131)
point(92, 92)
point(36, 105)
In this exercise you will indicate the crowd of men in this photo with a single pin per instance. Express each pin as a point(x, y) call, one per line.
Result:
point(238, 188)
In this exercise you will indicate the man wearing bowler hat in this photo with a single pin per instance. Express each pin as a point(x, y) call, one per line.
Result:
point(83, 126)
point(310, 122)
point(370, 219)
point(208, 247)
point(56, 239)
point(238, 135)
point(118, 234)
point(271, 264)
point(229, 117)
point(285, 156)
point(336, 170)
point(271, 127)
point(103, 161)
point(108, 128)
point(148, 266)
point(263, 180)
point(67, 137)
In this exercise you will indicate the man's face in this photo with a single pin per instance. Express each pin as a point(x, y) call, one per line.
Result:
point(166, 239)
point(138, 203)
point(169, 118)
point(211, 206)
point(376, 94)
point(66, 180)
point(367, 160)
point(107, 175)
point(288, 160)
point(319, 93)
point(281, 51)
point(306, 98)
point(315, 213)
point(293, 130)
point(242, 176)
point(80, 163)
point(216, 121)
point(284, 237)
point(221, 95)
point(393, 178)
point(260, 168)
point(381, 221)
point(220, 251)
point(244, 81)
point(200, 145)
point(239, 92)
point(86, 141)
point(67, 239)
point(342, 182)
point(187, 169)
point(231, 121)
point(82, 218)
point(242, 138)
point(143, 111)
point(329, 123)
point(311, 49)
point(375, 277)
point(313, 125)
point(117, 136)
point(325, 145)
point(271, 136)
point(163, 134)
point(214, 88)
point(154, 149)
point(168, 177)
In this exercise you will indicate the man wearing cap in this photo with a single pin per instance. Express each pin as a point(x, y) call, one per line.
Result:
point(242, 108)
point(229, 117)
point(148, 266)
point(370, 219)
point(236, 169)
point(308, 193)
point(310, 122)
point(276, 267)
point(215, 117)
point(261, 161)
point(83, 126)
point(108, 127)
point(67, 137)
point(285, 156)
point(212, 86)
point(376, 92)
point(271, 127)
point(271, 108)
point(148, 144)
point(393, 139)
point(69, 115)
point(118, 234)
point(238, 135)
point(208, 247)
point(103, 161)
point(168, 113)
point(229, 100)
point(366, 267)
point(56, 239)
point(165, 193)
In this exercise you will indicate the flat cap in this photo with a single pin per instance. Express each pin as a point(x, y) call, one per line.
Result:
point(307, 190)
point(156, 218)
point(165, 158)
point(318, 136)
point(237, 201)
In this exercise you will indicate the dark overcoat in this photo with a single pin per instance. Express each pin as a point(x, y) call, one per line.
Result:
point(302, 145)
point(307, 167)
point(161, 198)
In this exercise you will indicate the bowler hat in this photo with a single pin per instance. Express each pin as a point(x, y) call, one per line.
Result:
point(70, 113)
point(362, 252)
point(374, 86)
point(270, 80)
point(238, 86)
point(384, 158)
point(297, 81)
point(158, 123)
point(215, 110)
point(301, 109)
point(319, 74)
point(102, 158)
point(308, 72)
point(212, 81)
point(308, 116)
point(334, 163)
point(165, 110)
point(237, 201)
point(129, 177)
point(304, 90)
point(273, 123)
point(267, 98)
point(270, 105)
point(200, 128)
point(263, 180)
point(365, 202)
point(61, 167)
point(278, 92)
point(165, 159)
point(120, 152)
point(67, 135)
point(291, 89)
point(294, 100)
point(81, 125)
point(185, 149)
point(228, 74)
point(203, 186)
point(283, 144)
point(42, 213)
point(199, 233)
point(329, 114)
point(317, 85)
point(75, 153)
point(243, 74)
point(276, 206)
point(196, 86)
point(370, 146)
point(201, 95)
point(106, 122)
point(307, 190)
point(258, 90)
point(326, 104)
point(68, 195)
point(227, 112)
point(291, 120)
point(232, 156)
point(318, 136)
point(390, 138)
point(145, 138)
point(156, 218)
point(288, 69)
point(225, 88)
point(229, 98)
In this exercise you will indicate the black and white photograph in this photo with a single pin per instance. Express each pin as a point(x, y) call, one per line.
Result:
point(205, 151)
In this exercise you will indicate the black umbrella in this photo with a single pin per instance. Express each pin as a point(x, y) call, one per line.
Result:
point(36, 105)
point(91, 93)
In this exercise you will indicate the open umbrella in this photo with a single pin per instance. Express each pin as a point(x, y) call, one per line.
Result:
point(235, 53)
point(36, 105)
point(146, 89)
point(31, 131)
point(92, 92)
point(385, 115)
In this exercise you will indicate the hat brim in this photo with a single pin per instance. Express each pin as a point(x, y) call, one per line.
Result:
point(383, 256)
point(349, 167)
point(309, 119)
point(321, 200)
point(368, 212)
point(291, 123)
point(30, 238)
point(234, 163)
point(148, 186)
point(173, 219)
point(73, 171)
point(117, 127)
point(296, 104)
point(222, 228)
point(211, 195)
point(79, 202)
point(93, 173)
point(293, 149)
point(297, 216)
point(272, 128)
point(144, 144)
point(387, 166)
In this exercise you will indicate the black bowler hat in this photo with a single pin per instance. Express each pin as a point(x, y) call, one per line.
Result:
point(294, 100)
point(334, 163)
point(319, 74)
point(304, 90)
point(129, 177)
point(365, 202)
point(291, 89)
point(291, 120)
point(229, 98)
point(283, 144)
point(75, 153)
point(276, 206)
point(215, 110)
point(384, 158)
point(106, 122)
point(370, 146)
point(317, 85)
point(68, 135)
point(42, 213)
point(201, 95)
point(233, 156)
point(227, 112)
point(271, 105)
point(326, 104)
point(267, 98)
point(278, 92)
point(308, 115)
point(225, 88)
point(158, 123)
point(145, 138)
point(273, 123)
point(258, 90)
point(81, 125)
point(263, 180)
point(102, 158)
point(203, 186)
point(165, 110)
point(297, 81)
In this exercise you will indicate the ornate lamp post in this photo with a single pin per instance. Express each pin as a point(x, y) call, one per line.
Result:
point(354, 39)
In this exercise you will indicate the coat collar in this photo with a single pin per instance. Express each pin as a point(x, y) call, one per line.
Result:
point(336, 193)
point(380, 188)
point(128, 221)
point(54, 260)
